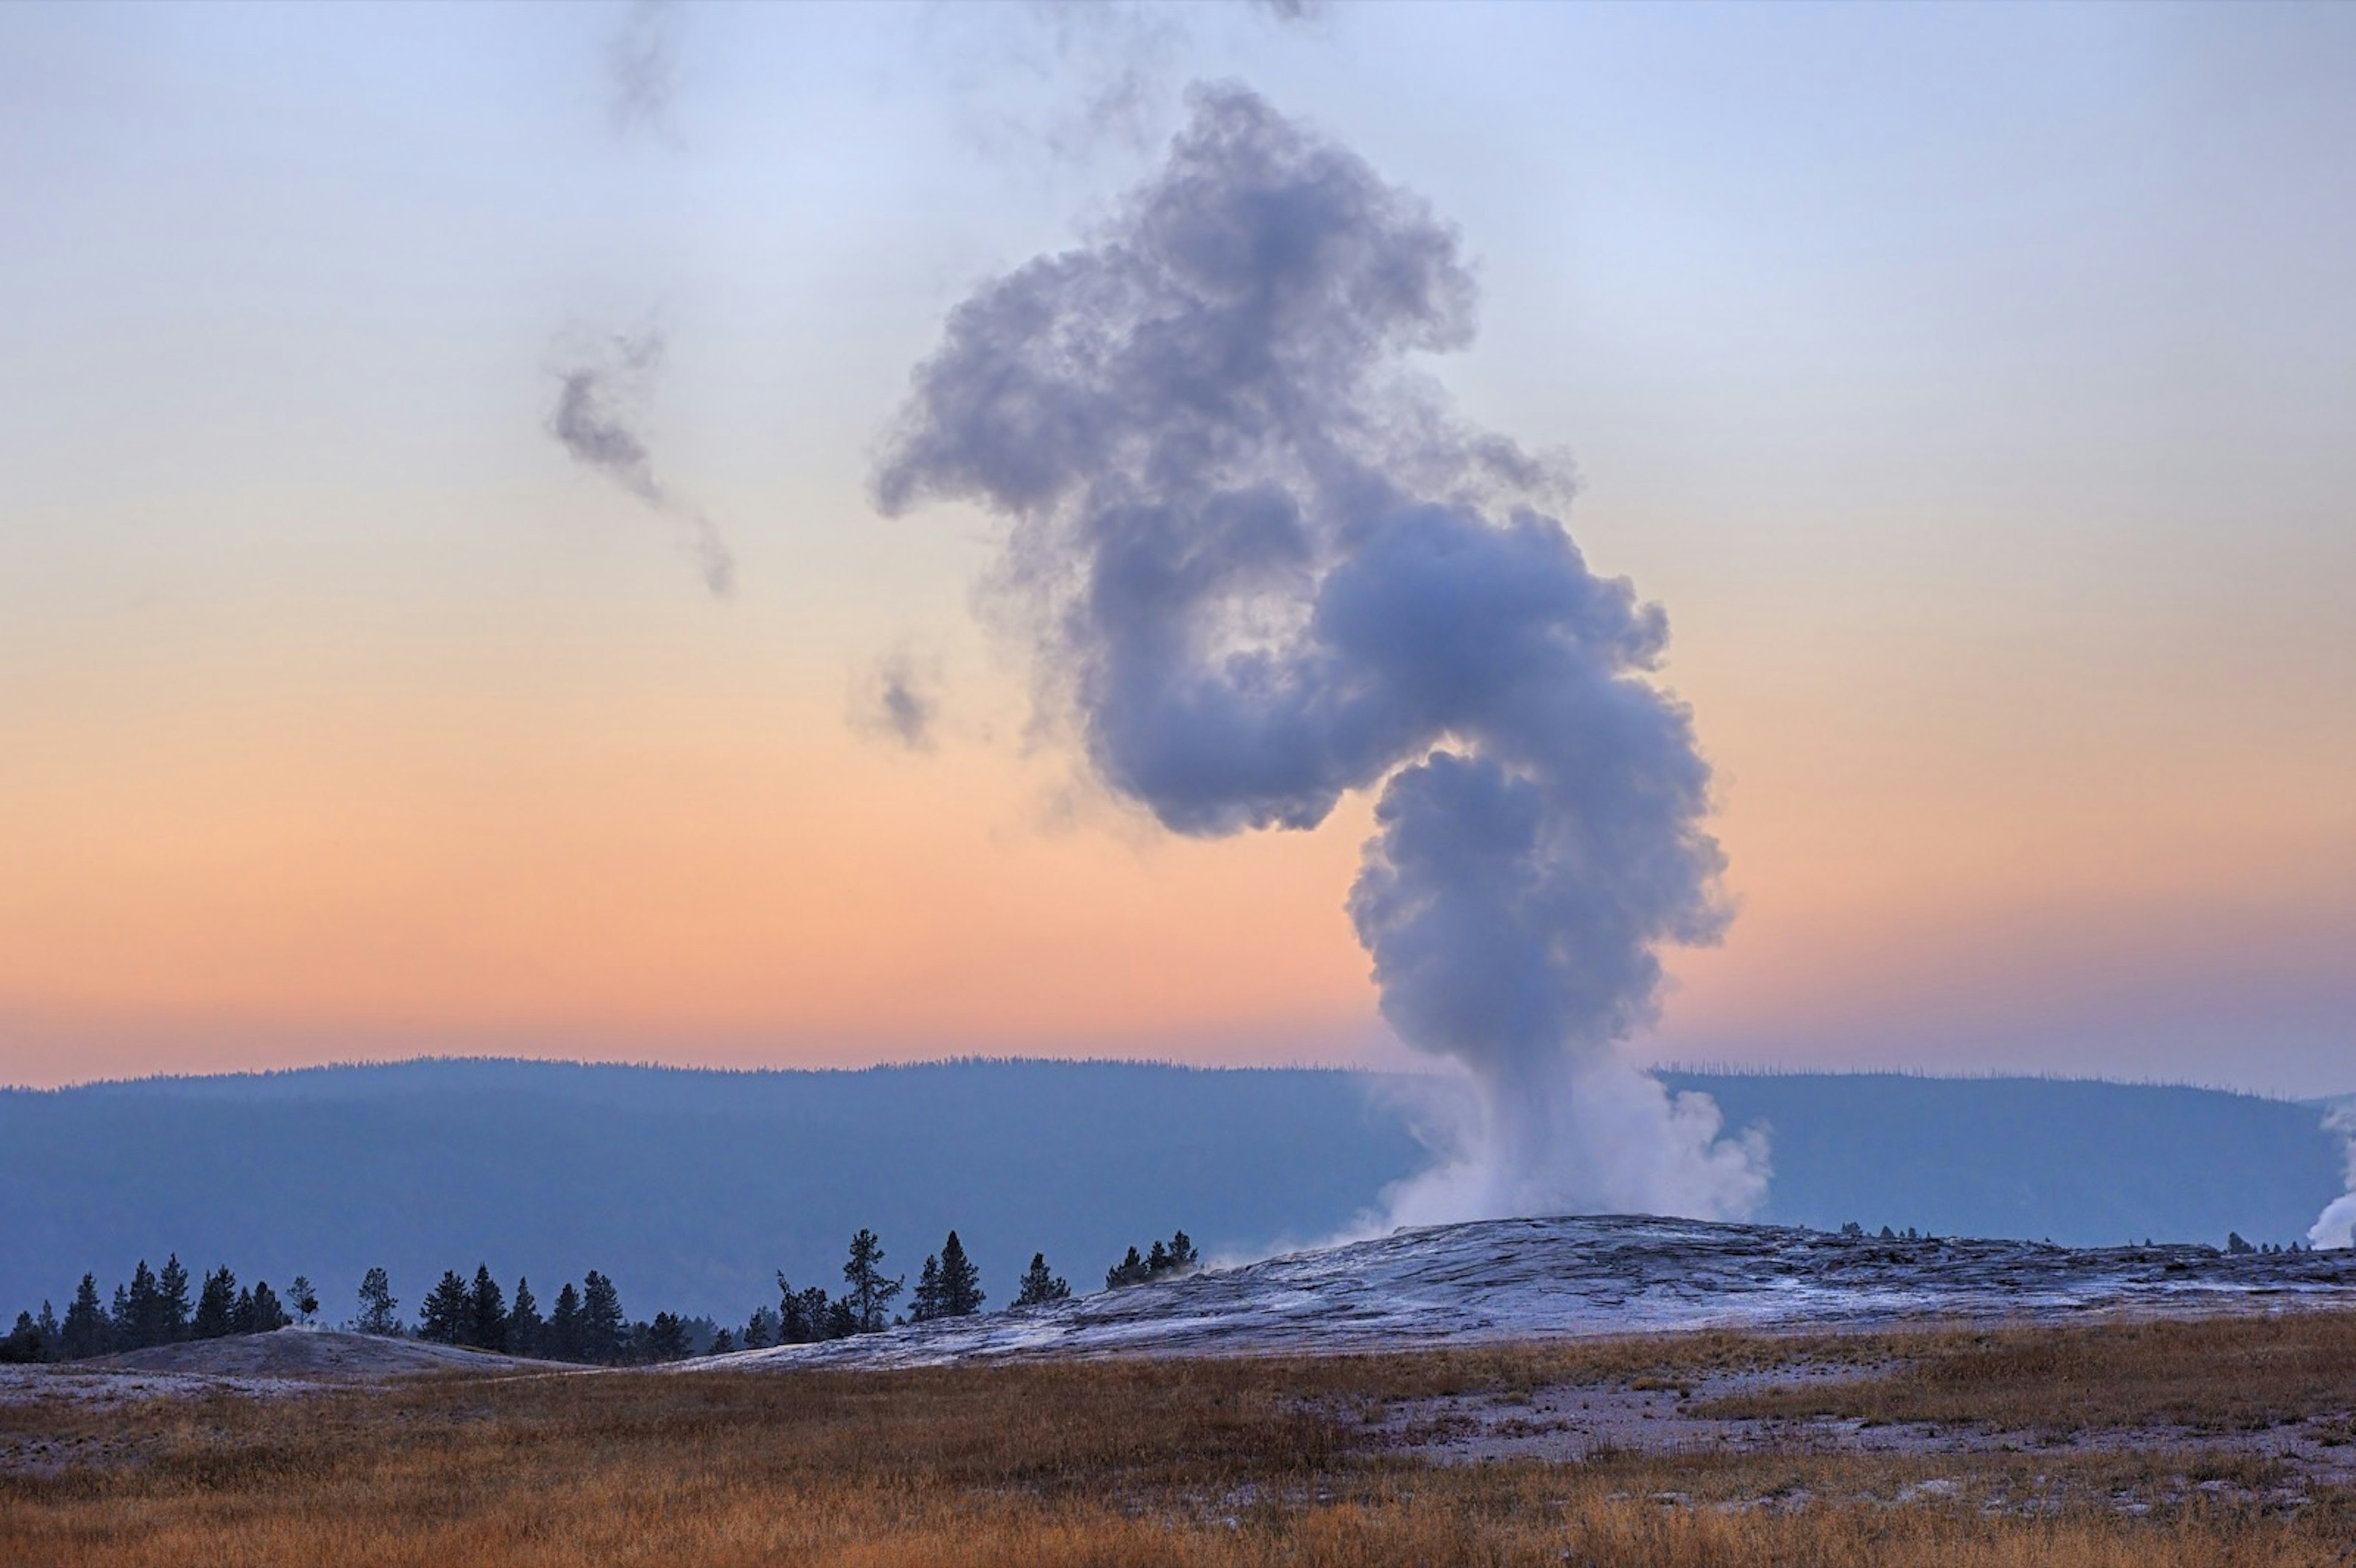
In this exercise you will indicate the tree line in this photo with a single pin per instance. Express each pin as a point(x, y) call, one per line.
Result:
point(948, 1285)
point(155, 1308)
point(585, 1323)
point(1164, 1262)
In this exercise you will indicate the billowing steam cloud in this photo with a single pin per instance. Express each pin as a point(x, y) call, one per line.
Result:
point(601, 395)
point(1265, 571)
point(2337, 1226)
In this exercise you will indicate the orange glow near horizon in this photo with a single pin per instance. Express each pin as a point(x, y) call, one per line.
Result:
point(625, 865)
point(639, 871)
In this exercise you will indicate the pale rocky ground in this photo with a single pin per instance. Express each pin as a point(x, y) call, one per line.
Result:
point(1534, 1279)
point(1489, 1281)
point(1567, 1423)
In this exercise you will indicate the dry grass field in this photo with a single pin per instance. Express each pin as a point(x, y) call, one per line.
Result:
point(1308, 1461)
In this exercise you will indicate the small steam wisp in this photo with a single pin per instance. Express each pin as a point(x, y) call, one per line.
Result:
point(1262, 568)
point(599, 406)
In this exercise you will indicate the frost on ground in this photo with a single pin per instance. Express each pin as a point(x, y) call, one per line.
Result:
point(96, 1388)
point(290, 1361)
point(1534, 1279)
point(287, 1364)
point(1574, 1421)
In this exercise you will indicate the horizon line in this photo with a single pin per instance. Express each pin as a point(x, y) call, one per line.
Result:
point(1705, 1069)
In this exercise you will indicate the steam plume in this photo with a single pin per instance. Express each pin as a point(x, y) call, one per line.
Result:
point(1264, 570)
point(2337, 1226)
point(643, 62)
point(1074, 79)
point(599, 400)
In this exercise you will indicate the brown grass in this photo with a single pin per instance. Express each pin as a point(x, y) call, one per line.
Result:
point(2210, 1375)
point(1220, 1464)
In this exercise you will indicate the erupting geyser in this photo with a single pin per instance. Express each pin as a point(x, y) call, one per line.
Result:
point(1264, 567)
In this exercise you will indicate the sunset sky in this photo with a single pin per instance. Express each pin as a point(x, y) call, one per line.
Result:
point(1975, 387)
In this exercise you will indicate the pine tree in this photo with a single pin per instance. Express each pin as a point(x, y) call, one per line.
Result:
point(241, 1317)
point(871, 1294)
point(1039, 1286)
point(792, 1328)
point(796, 1324)
point(486, 1316)
point(760, 1329)
point(52, 1337)
point(1182, 1257)
point(448, 1312)
point(264, 1314)
point(724, 1343)
point(301, 1298)
point(666, 1338)
point(805, 1316)
point(525, 1329)
point(379, 1310)
point(172, 1300)
point(564, 1342)
point(148, 1311)
point(23, 1343)
point(215, 1306)
point(138, 1314)
point(925, 1302)
point(1177, 1256)
point(840, 1320)
point(960, 1288)
point(86, 1332)
point(603, 1327)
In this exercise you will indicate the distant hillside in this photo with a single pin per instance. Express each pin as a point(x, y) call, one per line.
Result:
point(2085, 1164)
point(690, 1188)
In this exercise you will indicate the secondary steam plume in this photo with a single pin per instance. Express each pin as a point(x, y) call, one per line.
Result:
point(1263, 569)
point(597, 404)
point(898, 699)
point(2337, 1226)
